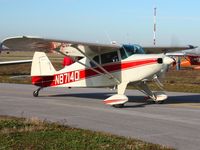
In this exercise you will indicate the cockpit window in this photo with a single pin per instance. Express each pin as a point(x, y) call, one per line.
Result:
point(128, 50)
point(109, 57)
point(123, 53)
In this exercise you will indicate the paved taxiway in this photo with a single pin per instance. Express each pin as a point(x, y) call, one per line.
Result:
point(175, 123)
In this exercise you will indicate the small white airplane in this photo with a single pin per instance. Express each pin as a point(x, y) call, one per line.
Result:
point(101, 66)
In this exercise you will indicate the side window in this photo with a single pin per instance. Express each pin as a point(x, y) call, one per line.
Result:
point(123, 53)
point(96, 59)
point(109, 57)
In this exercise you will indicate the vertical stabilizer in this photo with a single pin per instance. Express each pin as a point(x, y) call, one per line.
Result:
point(41, 65)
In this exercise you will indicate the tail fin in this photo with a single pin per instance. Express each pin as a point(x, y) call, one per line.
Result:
point(41, 65)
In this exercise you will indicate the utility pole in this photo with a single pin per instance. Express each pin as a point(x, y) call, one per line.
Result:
point(154, 27)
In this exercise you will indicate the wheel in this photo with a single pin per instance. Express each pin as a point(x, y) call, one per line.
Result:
point(151, 102)
point(159, 102)
point(35, 93)
point(118, 105)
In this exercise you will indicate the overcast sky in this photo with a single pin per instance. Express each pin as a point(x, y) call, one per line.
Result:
point(123, 21)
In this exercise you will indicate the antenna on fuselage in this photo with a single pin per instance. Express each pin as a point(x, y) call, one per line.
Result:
point(154, 27)
point(108, 37)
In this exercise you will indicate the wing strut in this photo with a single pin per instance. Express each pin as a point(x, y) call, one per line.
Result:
point(110, 76)
point(80, 62)
point(84, 64)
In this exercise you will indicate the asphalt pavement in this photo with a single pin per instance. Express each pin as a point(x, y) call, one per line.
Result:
point(176, 123)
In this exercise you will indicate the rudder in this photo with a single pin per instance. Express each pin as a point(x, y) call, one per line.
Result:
point(41, 65)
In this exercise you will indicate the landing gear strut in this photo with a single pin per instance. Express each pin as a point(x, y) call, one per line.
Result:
point(156, 97)
point(36, 92)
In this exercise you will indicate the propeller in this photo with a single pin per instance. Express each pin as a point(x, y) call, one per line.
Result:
point(192, 47)
point(167, 61)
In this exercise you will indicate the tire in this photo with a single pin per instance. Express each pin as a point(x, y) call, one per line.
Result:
point(35, 93)
point(159, 102)
point(118, 105)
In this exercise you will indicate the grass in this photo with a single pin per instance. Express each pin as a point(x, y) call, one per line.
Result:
point(20, 133)
point(185, 80)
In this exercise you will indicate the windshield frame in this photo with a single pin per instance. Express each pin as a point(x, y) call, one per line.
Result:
point(129, 50)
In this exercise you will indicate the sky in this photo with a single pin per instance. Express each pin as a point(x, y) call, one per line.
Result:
point(103, 21)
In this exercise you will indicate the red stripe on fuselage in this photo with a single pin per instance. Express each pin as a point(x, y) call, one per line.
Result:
point(42, 81)
point(73, 76)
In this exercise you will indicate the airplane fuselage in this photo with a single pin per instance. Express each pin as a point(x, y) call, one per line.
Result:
point(134, 68)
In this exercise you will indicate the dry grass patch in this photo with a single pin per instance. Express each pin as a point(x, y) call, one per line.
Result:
point(20, 133)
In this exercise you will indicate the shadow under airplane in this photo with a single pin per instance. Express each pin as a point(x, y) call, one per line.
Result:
point(139, 100)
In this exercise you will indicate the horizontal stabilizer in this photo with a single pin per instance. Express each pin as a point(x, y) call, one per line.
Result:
point(15, 62)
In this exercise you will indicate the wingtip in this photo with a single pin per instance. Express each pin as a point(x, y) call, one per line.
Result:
point(192, 46)
point(20, 36)
point(2, 47)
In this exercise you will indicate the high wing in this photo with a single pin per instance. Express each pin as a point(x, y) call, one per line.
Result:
point(25, 43)
point(64, 46)
point(166, 49)
point(15, 62)
point(185, 53)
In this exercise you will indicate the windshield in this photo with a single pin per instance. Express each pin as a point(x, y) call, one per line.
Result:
point(128, 50)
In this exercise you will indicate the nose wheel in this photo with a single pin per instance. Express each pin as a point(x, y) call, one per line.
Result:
point(36, 92)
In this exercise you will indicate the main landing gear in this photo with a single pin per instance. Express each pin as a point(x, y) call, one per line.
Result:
point(36, 92)
point(153, 97)
point(118, 106)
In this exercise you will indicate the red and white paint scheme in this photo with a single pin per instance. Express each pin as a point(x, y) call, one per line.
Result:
point(101, 66)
